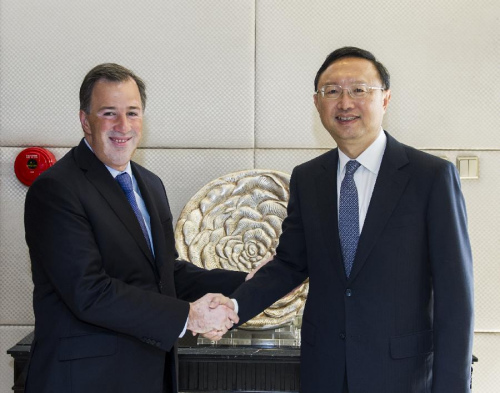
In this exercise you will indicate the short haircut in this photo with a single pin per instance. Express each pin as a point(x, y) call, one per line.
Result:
point(110, 72)
point(351, 51)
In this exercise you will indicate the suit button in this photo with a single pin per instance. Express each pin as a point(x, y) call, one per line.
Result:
point(348, 292)
point(342, 336)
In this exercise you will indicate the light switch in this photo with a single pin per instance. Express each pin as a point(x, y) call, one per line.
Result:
point(468, 167)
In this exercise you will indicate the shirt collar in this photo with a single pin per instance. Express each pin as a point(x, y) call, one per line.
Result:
point(371, 158)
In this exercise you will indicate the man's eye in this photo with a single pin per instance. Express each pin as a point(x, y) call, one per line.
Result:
point(331, 90)
point(108, 114)
point(359, 89)
point(133, 114)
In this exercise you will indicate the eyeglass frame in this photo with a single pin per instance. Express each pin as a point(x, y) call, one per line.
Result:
point(322, 90)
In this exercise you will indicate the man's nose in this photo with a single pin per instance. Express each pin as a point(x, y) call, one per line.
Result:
point(345, 101)
point(122, 123)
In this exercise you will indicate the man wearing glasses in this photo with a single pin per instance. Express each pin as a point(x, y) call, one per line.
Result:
point(380, 229)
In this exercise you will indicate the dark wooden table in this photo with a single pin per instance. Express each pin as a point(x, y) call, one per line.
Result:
point(210, 368)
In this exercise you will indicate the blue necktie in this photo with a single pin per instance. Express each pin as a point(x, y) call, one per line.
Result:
point(125, 183)
point(349, 216)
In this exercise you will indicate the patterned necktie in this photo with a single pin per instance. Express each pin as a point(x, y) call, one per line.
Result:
point(125, 183)
point(349, 216)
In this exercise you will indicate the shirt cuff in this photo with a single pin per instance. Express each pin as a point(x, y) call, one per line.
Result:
point(236, 307)
point(184, 330)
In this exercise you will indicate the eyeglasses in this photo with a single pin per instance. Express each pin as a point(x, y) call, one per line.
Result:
point(333, 92)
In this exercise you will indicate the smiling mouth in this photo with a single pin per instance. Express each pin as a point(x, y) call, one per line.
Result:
point(120, 140)
point(346, 118)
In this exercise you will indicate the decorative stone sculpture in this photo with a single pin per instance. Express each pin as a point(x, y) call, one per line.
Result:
point(234, 223)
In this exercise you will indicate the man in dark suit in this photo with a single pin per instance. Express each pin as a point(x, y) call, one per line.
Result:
point(380, 230)
point(110, 298)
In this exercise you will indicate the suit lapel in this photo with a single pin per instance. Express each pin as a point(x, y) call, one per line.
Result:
point(388, 189)
point(326, 187)
point(99, 176)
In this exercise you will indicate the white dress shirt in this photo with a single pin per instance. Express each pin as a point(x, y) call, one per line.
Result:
point(366, 175)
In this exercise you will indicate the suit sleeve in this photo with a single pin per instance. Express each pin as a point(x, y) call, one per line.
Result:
point(192, 282)
point(451, 260)
point(286, 271)
point(66, 260)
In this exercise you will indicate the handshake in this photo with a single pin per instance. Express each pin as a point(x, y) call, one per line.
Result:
point(212, 316)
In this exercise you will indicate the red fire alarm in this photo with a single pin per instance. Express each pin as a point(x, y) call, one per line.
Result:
point(31, 162)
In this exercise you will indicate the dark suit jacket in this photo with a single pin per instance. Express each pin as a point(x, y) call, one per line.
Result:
point(107, 313)
point(403, 321)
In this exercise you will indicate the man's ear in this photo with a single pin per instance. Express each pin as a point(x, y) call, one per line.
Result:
point(387, 99)
point(85, 122)
point(316, 103)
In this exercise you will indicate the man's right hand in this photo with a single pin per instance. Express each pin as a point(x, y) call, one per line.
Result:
point(215, 321)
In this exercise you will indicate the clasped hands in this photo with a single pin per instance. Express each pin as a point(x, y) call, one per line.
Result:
point(212, 316)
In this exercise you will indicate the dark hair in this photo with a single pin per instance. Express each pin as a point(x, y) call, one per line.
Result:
point(351, 51)
point(111, 72)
